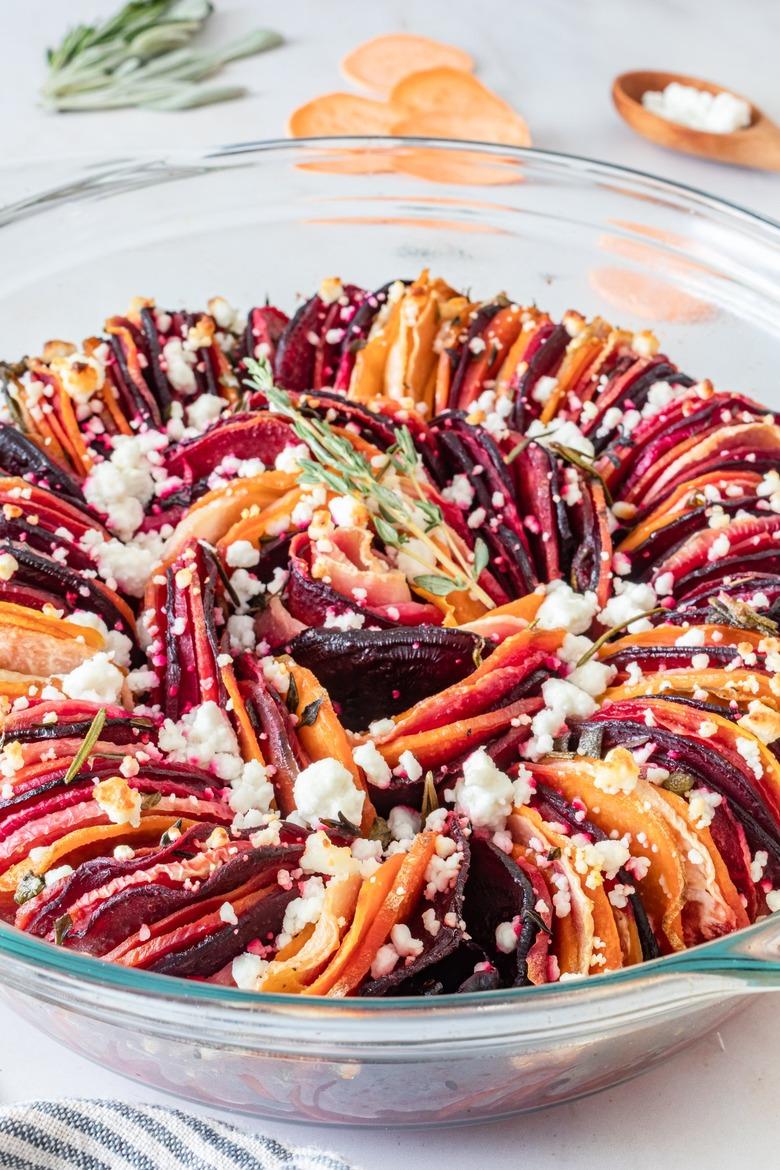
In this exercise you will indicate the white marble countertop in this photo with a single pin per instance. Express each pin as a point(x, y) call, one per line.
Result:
point(715, 1105)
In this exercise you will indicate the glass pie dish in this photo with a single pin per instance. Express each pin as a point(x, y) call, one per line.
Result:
point(272, 217)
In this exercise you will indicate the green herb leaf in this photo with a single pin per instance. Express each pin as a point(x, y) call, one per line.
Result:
point(481, 557)
point(380, 831)
point(386, 533)
point(141, 56)
point(310, 712)
point(61, 927)
point(616, 629)
point(151, 800)
point(29, 885)
point(438, 586)
point(89, 741)
point(733, 612)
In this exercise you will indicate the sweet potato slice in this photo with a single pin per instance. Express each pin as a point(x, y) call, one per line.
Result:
point(445, 91)
point(379, 64)
point(507, 128)
point(663, 886)
point(292, 971)
point(334, 114)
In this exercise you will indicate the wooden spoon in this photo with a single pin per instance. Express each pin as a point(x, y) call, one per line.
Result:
point(758, 145)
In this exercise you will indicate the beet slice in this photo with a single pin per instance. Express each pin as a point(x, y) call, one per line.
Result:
point(122, 914)
point(39, 916)
point(251, 435)
point(20, 456)
point(40, 574)
point(498, 891)
point(437, 949)
point(374, 673)
point(206, 956)
point(265, 325)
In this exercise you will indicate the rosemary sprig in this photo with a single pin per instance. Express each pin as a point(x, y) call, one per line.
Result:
point(610, 633)
point(89, 741)
point(401, 512)
point(569, 455)
point(141, 57)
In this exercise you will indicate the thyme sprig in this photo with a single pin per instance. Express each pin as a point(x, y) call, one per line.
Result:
point(141, 56)
point(401, 512)
point(87, 744)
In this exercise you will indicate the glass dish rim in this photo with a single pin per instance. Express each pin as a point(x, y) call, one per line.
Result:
point(90, 164)
point(717, 957)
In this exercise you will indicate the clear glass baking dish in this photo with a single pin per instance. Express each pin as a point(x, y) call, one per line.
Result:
point(77, 241)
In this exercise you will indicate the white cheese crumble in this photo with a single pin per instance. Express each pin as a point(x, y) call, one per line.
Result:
point(486, 795)
point(242, 554)
point(719, 113)
point(373, 764)
point(121, 803)
point(325, 789)
point(97, 680)
point(121, 487)
point(247, 970)
point(564, 609)
point(628, 601)
point(561, 431)
point(303, 910)
point(205, 738)
point(403, 823)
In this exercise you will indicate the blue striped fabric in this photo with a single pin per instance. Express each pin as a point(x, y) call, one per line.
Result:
point(112, 1135)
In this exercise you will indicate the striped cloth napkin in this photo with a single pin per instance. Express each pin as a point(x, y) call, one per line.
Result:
point(113, 1135)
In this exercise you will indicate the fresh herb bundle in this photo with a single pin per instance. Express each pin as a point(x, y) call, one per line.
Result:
point(141, 57)
point(400, 513)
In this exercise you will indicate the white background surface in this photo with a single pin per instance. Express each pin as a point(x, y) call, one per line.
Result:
point(716, 1105)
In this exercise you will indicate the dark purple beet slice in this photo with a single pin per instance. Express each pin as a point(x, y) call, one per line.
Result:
point(38, 572)
point(20, 456)
point(497, 891)
point(123, 913)
point(437, 948)
point(297, 347)
point(265, 325)
point(478, 323)
point(210, 954)
point(155, 376)
point(549, 346)
point(374, 673)
point(242, 436)
point(99, 871)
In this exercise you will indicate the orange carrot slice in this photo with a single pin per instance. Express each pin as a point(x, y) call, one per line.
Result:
point(334, 114)
point(93, 839)
point(397, 905)
point(380, 63)
point(370, 900)
point(322, 735)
